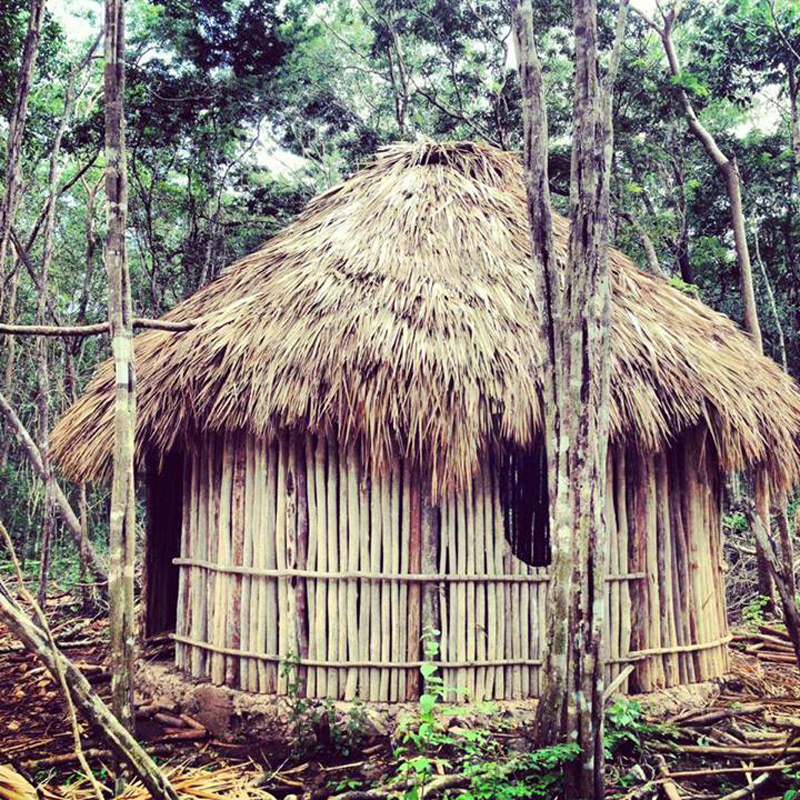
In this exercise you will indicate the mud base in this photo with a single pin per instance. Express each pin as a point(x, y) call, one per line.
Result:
point(231, 713)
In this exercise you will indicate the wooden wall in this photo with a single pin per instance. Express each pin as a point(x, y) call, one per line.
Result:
point(291, 551)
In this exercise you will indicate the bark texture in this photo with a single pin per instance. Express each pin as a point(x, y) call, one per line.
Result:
point(122, 525)
point(575, 317)
point(16, 128)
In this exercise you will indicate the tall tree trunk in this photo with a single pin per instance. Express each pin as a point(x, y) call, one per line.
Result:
point(682, 242)
point(16, 129)
point(730, 174)
point(574, 303)
point(11, 354)
point(122, 530)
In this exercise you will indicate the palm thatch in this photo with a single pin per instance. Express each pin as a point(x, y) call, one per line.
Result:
point(397, 312)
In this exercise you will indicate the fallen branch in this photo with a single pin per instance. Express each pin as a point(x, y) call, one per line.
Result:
point(59, 671)
point(36, 764)
point(84, 697)
point(670, 787)
point(712, 773)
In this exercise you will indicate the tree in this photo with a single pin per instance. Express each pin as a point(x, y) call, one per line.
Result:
point(729, 171)
point(122, 525)
point(16, 130)
point(574, 303)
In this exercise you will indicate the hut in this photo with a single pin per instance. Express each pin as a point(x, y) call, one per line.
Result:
point(344, 453)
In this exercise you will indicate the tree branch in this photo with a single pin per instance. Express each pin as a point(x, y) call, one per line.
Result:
point(92, 330)
point(67, 514)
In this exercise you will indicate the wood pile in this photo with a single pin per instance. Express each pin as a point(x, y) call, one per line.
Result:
point(768, 643)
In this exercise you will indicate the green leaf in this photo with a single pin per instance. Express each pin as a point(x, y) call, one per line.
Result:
point(427, 670)
point(427, 703)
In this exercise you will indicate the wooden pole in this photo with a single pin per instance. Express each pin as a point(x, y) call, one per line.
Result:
point(273, 604)
point(390, 535)
point(322, 534)
point(199, 521)
point(480, 589)
point(353, 530)
point(491, 588)
point(364, 585)
point(222, 591)
point(664, 567)
point(233, 667)
point(395, 491)
point(375, 542)
point(333, 514)
point(292, 557)
point(499, 540)
point(122, 523)
point(414, 590)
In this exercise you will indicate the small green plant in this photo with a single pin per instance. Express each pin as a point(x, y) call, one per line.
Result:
point(753, 613)
point(736, 522)
point(793, 775)
point(304, 716)
point(308, 717)
point(538, 773)
point(347, 786)
point(347, 730)
point(626, 727)
point(425, 735)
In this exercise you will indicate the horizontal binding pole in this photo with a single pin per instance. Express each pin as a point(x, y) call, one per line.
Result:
point(91, 330)
point(311, 662)
point(638, 655)
point(410, 577)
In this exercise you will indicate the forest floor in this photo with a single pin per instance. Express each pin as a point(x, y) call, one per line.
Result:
point(741, 741)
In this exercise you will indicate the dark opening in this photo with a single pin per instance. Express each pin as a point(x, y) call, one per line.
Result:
point(164, 518)
point(526, 506)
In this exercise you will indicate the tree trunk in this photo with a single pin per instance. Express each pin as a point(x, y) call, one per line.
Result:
point(682, 243)
point(574, 303)
point(651, 256)
point(122, 531)
point(67, 514)
point(16, 128)
point(790, 611)
point(11, 355)
point(773, 306)
point(730, 174)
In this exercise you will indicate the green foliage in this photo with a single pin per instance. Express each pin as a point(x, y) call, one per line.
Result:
point(316, 723)
point(492, 772)
point(538, 773)
point(626, 730)
point(735, 521)
point(690, 83)
point(753, 613)
point(686, 288)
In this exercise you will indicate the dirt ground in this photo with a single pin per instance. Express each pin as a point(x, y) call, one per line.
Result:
point(720, 741)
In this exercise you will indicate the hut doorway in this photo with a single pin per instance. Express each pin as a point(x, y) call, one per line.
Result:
point(164, 485)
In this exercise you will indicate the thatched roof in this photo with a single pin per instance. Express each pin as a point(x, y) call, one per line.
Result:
point(396, 310)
